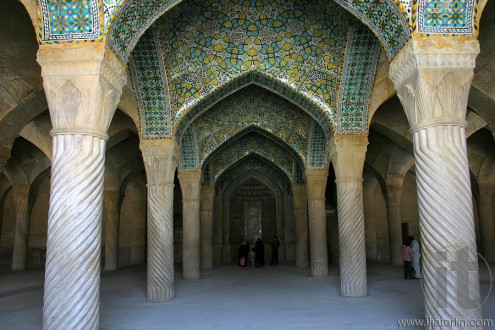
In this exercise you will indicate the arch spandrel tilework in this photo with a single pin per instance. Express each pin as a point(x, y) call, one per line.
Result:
point(385, 19)
point(317, 155)
point(131, 21)
point(189, 156)
point(298, 43)
point(252, 144)
point(151, 86)
point(252, 106)
point(358, 75)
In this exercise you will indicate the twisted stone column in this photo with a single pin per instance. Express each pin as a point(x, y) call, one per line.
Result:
point(394, 224)
point(21, 236)
point(432, 76)
point(347, 153)
point(316, 182)
point(487, 230)
point(191, 189)
point(301, 219)
point(207, 197)
point(160, 161)
point(83, 83)
point(111, 220)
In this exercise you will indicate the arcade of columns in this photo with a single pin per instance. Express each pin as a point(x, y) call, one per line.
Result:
point(432, 77)
point(83, 84)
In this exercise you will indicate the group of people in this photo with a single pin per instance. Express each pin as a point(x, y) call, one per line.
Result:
point(411, 254)
point(256, 256)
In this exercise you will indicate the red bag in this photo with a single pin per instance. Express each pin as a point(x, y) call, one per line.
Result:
point(243, 261)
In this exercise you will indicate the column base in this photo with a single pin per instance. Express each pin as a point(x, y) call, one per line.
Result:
point(207, 265)
point(319, 271)
point(160, 294)
point(18, 267)
point(303, 264)
point(110, 267)
point(190, 274)
point(353, 291)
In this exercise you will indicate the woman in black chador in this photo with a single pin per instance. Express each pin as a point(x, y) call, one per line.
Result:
point(260, 253)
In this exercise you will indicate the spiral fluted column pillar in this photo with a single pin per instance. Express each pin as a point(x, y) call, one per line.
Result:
point(207, 198)
point(487, 230)
point(160, 161)
point(21, 236)
point(316, 182)
point(83, 84)
point(111, 216)
point(394, 224)
point(191, 189)
point(347, 153)
point(301, 219)
point(433, 76)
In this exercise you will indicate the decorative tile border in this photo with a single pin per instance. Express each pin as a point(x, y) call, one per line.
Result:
point(358, 76)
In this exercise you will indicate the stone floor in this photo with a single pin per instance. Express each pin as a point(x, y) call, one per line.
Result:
point(231, 297)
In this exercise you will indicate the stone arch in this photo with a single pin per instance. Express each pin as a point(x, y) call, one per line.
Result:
point(276, 190)
point(388, 20)
point(486, 174)
point(35, 186)
point(266, 146)
point(381, 181)
point(131, 22)
point(254, 78)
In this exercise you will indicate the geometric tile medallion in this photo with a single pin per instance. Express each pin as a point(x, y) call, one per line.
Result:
point(209, 43)
point(446, 16)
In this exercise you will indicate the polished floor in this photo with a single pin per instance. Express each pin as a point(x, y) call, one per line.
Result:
point(231, 297)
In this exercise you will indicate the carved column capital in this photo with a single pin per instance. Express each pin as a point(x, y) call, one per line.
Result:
point(394, 194)
point(207, 197)
point(190, 184)
point(83, 84)
point(20, 194)
point(161, 158)
point(316, 182)
point(300, 197)
point(110, 200)
point(347, 154)
point(432, 76)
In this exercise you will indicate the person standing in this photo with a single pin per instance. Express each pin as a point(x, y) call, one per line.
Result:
point(259, 248)
point(243, 254)
point(407, 255)
point(275, 246)
point(416, 255)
